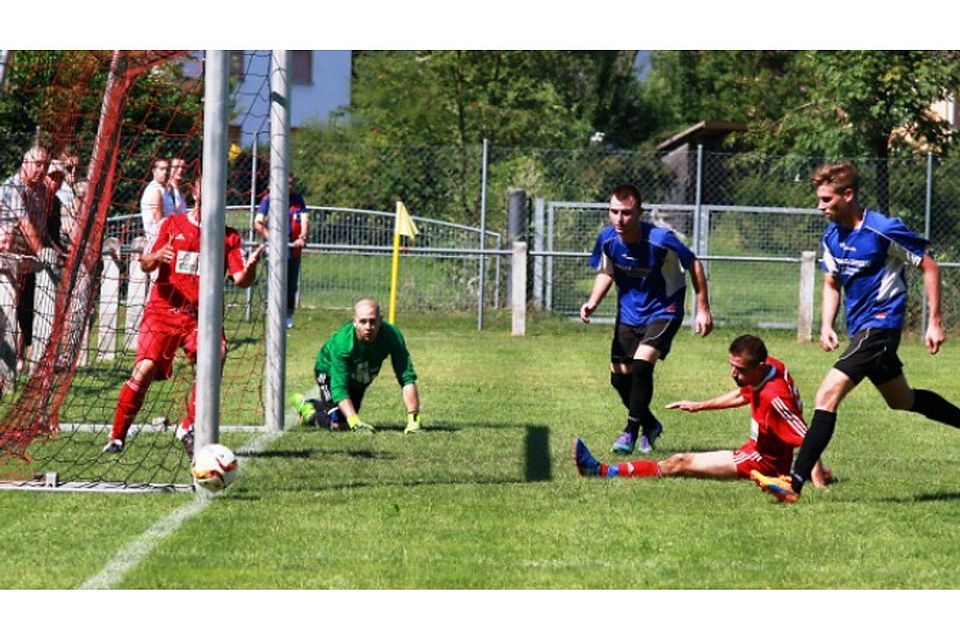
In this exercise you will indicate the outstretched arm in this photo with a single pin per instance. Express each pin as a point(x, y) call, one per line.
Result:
point(728, 400)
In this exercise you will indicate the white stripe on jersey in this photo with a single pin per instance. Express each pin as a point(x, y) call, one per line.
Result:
point(892, 282)
point(829, 261)
point(792, 419)
point(739, 457)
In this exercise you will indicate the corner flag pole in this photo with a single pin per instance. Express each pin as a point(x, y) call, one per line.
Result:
point(404, 227)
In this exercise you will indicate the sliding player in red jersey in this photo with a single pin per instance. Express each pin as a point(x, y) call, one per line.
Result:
point(776, 426)
point(170, 317)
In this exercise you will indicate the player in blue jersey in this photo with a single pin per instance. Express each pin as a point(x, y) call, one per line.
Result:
point(864, 256)
point(647, 263)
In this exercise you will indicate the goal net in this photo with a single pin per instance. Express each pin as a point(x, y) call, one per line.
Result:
point(98, 120)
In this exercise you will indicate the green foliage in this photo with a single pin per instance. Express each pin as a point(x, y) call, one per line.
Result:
point(512, 98)
point(55, 97)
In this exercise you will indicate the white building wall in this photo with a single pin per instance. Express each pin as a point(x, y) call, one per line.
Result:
point(310, 103)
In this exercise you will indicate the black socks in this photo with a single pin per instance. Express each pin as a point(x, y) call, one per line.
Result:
point(817, 438)
point(934, 407)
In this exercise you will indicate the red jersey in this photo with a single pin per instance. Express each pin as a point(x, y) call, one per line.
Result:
point(776, 417)
point(178, 282)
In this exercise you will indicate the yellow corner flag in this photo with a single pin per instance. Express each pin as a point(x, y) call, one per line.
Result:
point(404, 227)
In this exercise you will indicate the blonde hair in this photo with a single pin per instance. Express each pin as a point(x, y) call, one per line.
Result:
point(841, 176)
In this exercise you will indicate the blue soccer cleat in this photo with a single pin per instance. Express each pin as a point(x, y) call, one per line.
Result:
point(587, 465)
point(649, 437)
point(624, 444)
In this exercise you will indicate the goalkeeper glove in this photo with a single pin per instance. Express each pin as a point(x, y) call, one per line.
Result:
point(357, 424)
point(413, 422)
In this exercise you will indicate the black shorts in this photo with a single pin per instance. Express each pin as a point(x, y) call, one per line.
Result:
point(658, 334)
point(327, 411)
point(872, 354)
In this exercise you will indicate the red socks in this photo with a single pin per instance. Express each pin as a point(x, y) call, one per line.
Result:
point(128, 404)
point(632, 469)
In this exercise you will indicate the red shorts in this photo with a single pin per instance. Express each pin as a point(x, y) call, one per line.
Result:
point(162, 332)
point(747, 459)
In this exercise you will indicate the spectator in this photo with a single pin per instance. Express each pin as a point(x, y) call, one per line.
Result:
point(176, 177)
point(23, 209)
point(157, 200)
point(297, 209)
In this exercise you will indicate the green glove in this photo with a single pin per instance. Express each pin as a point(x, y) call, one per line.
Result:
point(356, 423)
point(413, 422)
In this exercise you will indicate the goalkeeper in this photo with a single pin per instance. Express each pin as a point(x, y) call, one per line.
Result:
point(346, 365)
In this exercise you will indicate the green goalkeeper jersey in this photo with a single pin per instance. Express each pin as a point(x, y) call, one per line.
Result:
point(350, 362)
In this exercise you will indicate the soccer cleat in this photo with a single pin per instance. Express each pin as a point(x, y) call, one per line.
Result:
point(289, 322)
point(114, 446)
point(185, 436)
point(624, 444)
point(779, 487)
point(304, 407)
point(587, 465)
point(648, 438)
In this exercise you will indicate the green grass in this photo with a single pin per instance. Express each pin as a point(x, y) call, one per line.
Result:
point(488, 498)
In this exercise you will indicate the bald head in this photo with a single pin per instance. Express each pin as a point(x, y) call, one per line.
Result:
point(367, 319)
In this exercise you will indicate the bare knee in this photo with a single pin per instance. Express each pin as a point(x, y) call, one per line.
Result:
point(832, 391)
point(677, 464)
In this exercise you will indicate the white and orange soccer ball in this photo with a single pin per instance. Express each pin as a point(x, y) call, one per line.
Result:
point(214, 467)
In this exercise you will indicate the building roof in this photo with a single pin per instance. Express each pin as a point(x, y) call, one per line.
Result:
point(700, 131)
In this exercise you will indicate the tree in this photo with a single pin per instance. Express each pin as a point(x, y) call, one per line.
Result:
point(824, 104)
point(872, 103)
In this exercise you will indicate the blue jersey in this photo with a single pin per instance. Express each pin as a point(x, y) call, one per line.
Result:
point(869, 263)
point(649, 274)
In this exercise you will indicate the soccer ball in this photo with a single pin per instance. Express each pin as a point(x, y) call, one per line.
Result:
point(214, 467)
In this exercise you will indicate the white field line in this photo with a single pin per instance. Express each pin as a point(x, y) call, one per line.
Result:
point(130, 556)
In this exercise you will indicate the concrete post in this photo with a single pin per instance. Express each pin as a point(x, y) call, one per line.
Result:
point(516, 229)
point(109, 301)
point(518, 277)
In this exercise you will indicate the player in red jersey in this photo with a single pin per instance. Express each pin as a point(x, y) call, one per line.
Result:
point(170, 315)
point(776, 426)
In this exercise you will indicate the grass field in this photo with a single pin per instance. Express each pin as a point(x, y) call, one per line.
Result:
point(487, 497)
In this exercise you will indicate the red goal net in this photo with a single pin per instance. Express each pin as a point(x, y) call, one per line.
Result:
point(97, 122)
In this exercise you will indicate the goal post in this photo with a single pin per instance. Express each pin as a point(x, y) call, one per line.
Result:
point(279, 227)
point(210, 320)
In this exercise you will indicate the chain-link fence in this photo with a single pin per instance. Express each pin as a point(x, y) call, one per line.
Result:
point(748, 217)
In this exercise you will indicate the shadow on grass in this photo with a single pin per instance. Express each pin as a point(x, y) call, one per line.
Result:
point(943, 496)
point(306, 454)
point(242, 493)
point(538, 465)
point(537, 462)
